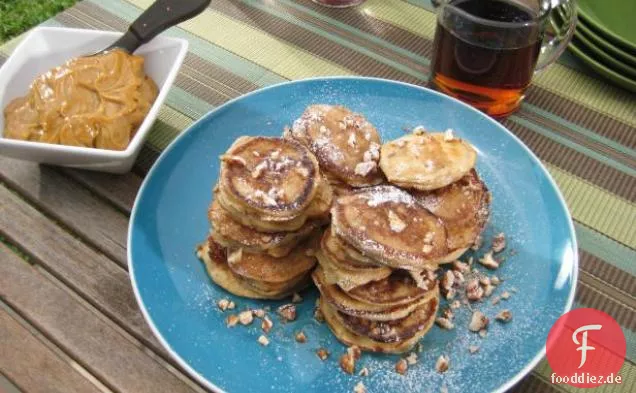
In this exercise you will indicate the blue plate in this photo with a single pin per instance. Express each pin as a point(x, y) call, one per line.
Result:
point(178, 299)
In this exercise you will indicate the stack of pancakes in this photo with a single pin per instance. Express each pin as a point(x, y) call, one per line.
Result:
point(377, 259)
point(438, 170)
point(377, 289)
point(402, 209)
point(268, 209)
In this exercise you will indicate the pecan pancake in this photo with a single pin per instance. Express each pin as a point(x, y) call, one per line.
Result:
point(338, 298)
point(348, 250)
point(426, 161)
point(344, 271)
point(263, 267)
point(318, 209)
point(388, 225)
point(278, 251)
point(335, 248)
point(393, 331)
point(346, 144)
point(348, 337)
point(270, 289)
point(348, 279)
point(273, 178)
point(230, 233)
point(338, 186)
point(397, 289)
point(464, 206)
point(214, 258)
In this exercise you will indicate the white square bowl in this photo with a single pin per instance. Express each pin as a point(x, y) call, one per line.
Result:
point(47, 47)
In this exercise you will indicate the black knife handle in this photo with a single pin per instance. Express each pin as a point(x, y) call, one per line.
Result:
point(161, 15)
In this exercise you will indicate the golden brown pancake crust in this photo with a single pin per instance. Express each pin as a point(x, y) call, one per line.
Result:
point(213, 256)
point(341, 140)
point(346, 278)
point(332, 246)
point(398, 288)
point(274, 177)
point(351, 253)
point(426, 162)
point(317, 210)
point(339, 299)
point(231, 233)
point(348, 337)
point(392, 331)
point(387, 224)
point(464, 206)
point(270, 289)
point(262, 267)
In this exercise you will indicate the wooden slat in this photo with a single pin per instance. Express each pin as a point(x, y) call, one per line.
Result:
point(102, 282)
point(120, 190)
point(31, 365)
point(71, 204)
point(106, 351)
point(97, 279)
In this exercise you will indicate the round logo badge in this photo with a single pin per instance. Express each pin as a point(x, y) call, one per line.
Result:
point(586, 348)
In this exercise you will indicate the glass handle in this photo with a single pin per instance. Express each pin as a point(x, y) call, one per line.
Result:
point(561, 23)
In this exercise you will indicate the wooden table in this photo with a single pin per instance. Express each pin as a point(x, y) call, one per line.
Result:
point(69, 321)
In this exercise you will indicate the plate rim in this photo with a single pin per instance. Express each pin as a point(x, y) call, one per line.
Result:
point(603, 43)
point(209, 384)
point(602, 27)
point(619, 80)
point(604, 58)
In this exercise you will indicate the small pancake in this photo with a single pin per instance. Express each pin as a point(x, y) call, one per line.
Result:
point(274, 178)
point(321, 204)
point(213, 256)
point(340, 269)
point(318, 209)
point(253, 220)
point(338, 186)
point(341, 140)
point(263, 267)
point(275, 251)
point(397, 289)
point(393, 331)
point(270, 289)
point(353, 254)
point(348, 279)
point(343, 302)
point(335, 248)
point(349, 338)
point(464, 206)
point(230, 233)
point(388, 225)
point(426, 162)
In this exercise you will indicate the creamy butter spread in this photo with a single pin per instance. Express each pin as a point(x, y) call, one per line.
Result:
point(96, 101)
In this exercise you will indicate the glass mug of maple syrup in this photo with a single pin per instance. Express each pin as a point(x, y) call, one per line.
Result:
point(485, 52)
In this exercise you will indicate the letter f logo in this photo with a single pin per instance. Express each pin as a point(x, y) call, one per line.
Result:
point(584, 347)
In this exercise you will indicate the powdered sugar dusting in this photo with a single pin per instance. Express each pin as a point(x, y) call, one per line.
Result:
point(373, 154)
point(387, 194)
point(262, 196)
point(352, 139)
point(325, 129)
point(395, 222)
point(364, 168)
